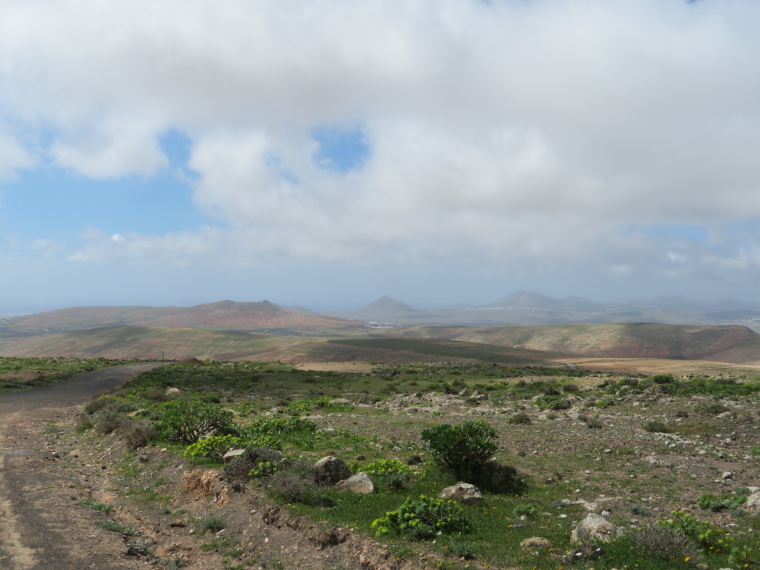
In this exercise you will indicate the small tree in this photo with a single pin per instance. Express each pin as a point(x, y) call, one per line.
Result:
point(189, 420)
point(464, 448)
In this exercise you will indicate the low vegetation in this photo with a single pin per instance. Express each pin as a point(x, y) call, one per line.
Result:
point(654, 455)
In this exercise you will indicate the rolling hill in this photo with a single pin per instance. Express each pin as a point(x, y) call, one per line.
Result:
point(735, 344)
point(223, 315)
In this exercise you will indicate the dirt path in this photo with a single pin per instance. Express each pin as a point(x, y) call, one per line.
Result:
point(38, 526)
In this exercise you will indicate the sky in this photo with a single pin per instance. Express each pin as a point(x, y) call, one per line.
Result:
point(323, 153)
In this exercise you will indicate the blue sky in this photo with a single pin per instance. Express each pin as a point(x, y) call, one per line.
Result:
point(324, 154)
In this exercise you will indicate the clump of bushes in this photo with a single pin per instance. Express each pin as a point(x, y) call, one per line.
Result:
point(659, 543)
point(296, 482)
point(390, 473)
point(248, 465)
point(214, 447)
point(463, 447)
point(519, 418)
point(423, 519)
point(467, 449)
point(187, 421)
point(656, 426)
point(728, 501)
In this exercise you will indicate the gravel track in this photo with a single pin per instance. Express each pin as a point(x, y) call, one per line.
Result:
point(40, 528)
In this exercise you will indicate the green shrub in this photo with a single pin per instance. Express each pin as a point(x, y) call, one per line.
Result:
point(296, 482)
point(107, 421)
point(212, 523)
point(706, 534)
point(215, 446)
point(655, 426)
point(117, 527)
point(496, 477)
point(390, 473)
point(659, 543)
point(300, 431)
point(526, 510)
point(728, 501)
point(187, 421)
point(102, 507)
point(519, 418)
point(463, 447)
point(711, 409)
point(250, 464)
point(663, 379)
point(137, 434)
point(423, 519)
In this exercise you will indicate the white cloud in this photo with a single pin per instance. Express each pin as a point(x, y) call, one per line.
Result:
point(502, 129)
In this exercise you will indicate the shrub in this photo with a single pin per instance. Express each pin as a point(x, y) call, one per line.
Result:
point(187, 421)
point(390, 473)
point(296, 482)
point(561, 404)
point(212, 523)
point(663, 379)
point(496, 477)
point(112, 403)
point(571, 388)
point(107, 421)
point(706, 534)
point(655, 426)
point(117, 527)
point(520, 418)
point(711, 409)
point(300, 431)
point(251, 461)
point(594, 423)
point(659, 543)
point(423, 519)
point(728, 501)
point(526, 510)
point(463, 447)
point(215, 446)
point(137, 434)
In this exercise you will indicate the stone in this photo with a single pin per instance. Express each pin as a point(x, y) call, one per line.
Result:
point(462, 492)
point(172, 392)
point(231, 455)
point(595, 527)
point(360, 483)
point(535, 542)
point(753, 503)
point(331, 469)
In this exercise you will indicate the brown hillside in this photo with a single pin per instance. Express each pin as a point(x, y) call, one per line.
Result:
point(224, 315)
point(737, 344)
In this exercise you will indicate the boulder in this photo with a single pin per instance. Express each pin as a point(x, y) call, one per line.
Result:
point(595, 527)
point(330, 470)
point(535, 542)
point(360, 483)
point(231, 455)
point(753, 504)
point(462, 492)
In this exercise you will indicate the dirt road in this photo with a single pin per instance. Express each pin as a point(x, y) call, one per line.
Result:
point(39, 524)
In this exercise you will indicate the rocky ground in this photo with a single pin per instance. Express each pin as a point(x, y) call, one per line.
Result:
point(55, 482)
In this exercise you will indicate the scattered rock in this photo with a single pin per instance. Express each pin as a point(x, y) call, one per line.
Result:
point(535, 542)
point(331, 469)
point(231, 455)
point(753, 503)
point(462, 492)
point(595, 527)
point(360, 483)
point(172, 392)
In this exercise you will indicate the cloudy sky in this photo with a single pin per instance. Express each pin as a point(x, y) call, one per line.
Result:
point(327, 152)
